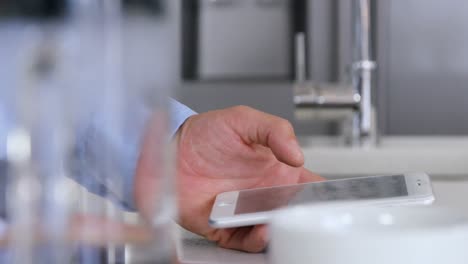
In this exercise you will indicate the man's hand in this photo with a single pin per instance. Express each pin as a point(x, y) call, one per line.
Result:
point(227, 150)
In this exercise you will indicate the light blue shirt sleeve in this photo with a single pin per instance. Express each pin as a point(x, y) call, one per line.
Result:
point(95, 140)
point(178, 114)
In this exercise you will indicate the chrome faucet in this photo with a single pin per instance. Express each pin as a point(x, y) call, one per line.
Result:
point(363, 66)
point(355, 95)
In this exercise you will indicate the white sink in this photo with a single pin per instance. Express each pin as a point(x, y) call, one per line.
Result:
point(437, 156)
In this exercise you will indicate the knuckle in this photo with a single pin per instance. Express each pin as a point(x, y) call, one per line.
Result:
point(286, 125)
point(242, 109)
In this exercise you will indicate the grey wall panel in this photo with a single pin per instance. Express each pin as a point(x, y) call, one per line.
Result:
point(272, 97)
point(427, 68)
point(244, 38)
point(329, 39)
point(321, 41)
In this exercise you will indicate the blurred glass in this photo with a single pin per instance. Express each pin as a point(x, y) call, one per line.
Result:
point(84, 88)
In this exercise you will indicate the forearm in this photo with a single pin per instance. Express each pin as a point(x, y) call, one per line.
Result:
point(120, 151)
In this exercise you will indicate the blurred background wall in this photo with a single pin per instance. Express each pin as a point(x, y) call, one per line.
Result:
point(241, 52)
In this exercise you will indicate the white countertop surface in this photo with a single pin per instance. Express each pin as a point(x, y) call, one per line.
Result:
point(440, 157)
point(194, 249)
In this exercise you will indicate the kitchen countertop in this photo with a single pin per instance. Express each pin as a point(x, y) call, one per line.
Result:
point(442, 157)
point(194, 249)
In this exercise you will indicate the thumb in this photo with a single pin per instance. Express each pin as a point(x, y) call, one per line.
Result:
point(255, 127)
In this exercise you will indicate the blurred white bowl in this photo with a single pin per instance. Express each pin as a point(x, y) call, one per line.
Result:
point(323, 234)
